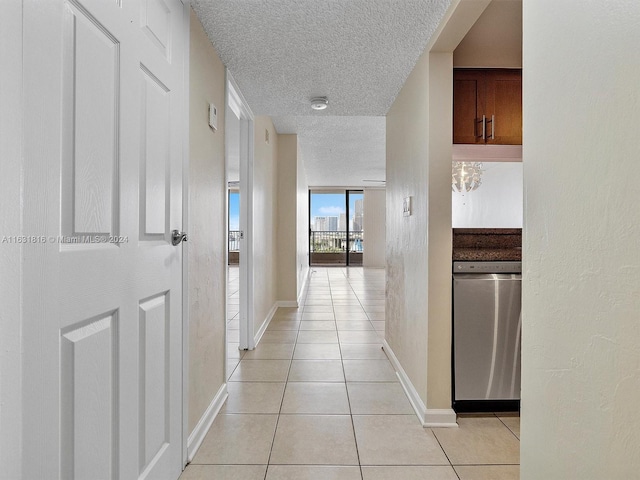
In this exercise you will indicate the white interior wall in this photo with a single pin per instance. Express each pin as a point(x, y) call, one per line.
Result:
point(292, 220)
point(439, 242)
point(265, 279)
point(207, 226)
point(495, 40)
point(581, 259)
point(232, 144)
point(291, 211)
point(374, 221)
point(406, 237)
point(287, 212)
point(497, 203)
point(302, 224)
point(418, 305)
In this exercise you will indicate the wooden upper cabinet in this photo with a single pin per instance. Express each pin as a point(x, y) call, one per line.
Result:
point(494, 93)
point(465, 107)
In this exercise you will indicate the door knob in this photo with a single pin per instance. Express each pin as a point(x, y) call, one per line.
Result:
point(177, 237)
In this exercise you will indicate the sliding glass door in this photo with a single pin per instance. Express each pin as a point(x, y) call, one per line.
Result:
point(355, 202)
point(335, 230)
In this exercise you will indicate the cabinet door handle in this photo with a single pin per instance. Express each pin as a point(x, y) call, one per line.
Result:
point(484, 127)
point(493, 127)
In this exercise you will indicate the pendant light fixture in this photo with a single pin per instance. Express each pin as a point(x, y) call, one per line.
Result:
point(466, 176)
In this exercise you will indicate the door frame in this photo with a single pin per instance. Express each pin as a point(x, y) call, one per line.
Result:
point(236, 104)
point(186, 21)
point(349, 191)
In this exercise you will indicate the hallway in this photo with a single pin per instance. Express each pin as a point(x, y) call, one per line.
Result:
point(318, 399)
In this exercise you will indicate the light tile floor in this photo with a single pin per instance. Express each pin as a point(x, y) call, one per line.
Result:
point(318, 400)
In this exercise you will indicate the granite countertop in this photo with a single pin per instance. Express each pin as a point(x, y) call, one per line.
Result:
point(487, 254)
point(487, 231)
point(487, 244)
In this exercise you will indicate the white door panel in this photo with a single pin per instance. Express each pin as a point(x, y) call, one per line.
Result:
point(103, 293)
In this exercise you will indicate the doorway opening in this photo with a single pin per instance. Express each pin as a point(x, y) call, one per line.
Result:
point(239, 173)
point(233, 222)
point(234, 354)
point(336, 232)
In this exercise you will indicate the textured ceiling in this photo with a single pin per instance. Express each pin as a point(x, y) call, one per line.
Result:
point(358, 53)
point(339, 151)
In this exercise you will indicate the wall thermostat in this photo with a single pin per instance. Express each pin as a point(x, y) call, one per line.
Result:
point(213, 116)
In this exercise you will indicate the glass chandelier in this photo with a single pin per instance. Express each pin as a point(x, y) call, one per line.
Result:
point(465, 176)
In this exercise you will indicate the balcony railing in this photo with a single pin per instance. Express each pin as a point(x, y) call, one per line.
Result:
point(321, 241)
point(336, 242)
point(234, 240)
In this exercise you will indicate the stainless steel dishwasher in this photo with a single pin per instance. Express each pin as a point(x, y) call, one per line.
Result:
point(486, 336)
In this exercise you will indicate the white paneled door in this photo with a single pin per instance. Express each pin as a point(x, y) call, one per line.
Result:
point(104, 102)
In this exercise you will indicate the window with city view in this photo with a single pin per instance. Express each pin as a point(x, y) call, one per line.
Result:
point(336, 233)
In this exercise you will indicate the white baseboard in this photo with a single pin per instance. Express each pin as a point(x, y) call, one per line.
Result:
point(269, 317)
point(304, 287)
point(200, 431)
point(265, 323)
point(414, 398)
point(428, 417)
point(287, 304)
point(440, 417)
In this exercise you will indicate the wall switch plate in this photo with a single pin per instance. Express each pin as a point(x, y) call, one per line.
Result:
point(213, 116)
point(406, 207)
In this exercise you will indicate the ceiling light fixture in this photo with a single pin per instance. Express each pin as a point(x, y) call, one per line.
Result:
point(465, 176)
point(319, 103)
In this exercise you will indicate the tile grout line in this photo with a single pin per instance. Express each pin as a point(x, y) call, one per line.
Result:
point(352, 420)
point(353, 426)
point(445, 453)
point(365, 312)
point(507, 426)
point(284, 391)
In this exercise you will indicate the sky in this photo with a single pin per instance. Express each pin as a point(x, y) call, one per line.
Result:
point(327, 205)
point(332, 204)
point(234, 211)
point(322, 205)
